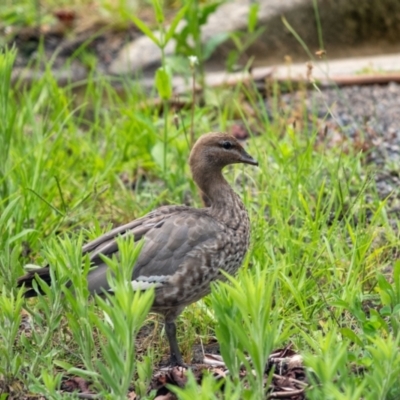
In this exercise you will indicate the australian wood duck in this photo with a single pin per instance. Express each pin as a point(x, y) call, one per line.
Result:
point(184, 248)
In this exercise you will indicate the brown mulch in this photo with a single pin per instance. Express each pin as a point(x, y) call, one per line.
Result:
point(284, 368)
point(284, 371)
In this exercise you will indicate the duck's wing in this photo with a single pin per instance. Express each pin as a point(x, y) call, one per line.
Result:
point(137, 227)
point(106, 244)
point(183, 240)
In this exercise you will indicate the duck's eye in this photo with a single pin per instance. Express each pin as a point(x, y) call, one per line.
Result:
point(227, 145)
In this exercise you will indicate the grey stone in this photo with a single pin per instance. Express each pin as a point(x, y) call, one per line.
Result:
point(349, 27)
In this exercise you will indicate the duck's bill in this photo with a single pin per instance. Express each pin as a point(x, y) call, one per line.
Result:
point(247, 159)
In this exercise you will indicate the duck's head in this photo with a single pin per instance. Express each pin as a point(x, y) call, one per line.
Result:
point(216, 150)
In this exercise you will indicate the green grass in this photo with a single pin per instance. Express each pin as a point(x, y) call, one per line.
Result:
point(72, 166)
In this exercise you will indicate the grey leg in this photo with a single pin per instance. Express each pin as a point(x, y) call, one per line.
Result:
point(176, 356)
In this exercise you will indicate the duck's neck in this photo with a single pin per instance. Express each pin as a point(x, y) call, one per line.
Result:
point(221, 198)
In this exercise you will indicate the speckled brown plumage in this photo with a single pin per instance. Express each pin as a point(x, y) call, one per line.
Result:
point(184, 248)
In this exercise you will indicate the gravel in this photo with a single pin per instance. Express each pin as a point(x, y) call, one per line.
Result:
point(367, 118)
point(373, 111)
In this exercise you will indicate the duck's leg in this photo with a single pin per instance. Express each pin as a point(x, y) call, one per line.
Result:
point(175, 355)
point(170, 331)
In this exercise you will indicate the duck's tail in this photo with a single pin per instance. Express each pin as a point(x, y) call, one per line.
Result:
point(27, 279)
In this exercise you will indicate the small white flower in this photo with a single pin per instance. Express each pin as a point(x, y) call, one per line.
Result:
point(193, 60)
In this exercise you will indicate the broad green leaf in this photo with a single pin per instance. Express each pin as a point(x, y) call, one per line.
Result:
point(157, 153)
point(347, 332)
point(396, 273)
point(164, 83)
point(20, 235)
point(172, 29)
point(145, 29)
point(253, 17)
point(63, 364)
point(6, 214)
point(386, 311)
point(384, 284)
point(207, 10)
point(157, 6)
point(83, 373)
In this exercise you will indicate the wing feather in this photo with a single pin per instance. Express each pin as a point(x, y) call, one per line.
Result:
point(172, 236)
